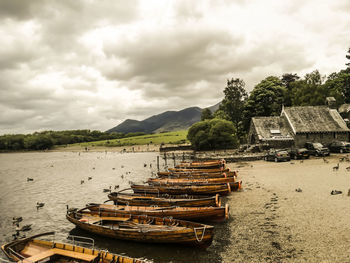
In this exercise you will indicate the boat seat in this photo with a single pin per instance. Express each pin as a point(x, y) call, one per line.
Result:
point(72, 254)
point(61, 252)
point(37, 257)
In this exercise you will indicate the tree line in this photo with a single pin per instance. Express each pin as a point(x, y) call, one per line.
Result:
point(47, 139)
point(266, 99)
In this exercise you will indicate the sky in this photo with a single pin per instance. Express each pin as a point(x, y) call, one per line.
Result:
point(92, 64)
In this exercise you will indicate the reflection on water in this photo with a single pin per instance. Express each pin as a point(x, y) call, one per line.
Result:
point(58, 182)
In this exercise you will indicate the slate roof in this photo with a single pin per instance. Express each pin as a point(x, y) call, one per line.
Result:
point(308, 119)
point(266, 128)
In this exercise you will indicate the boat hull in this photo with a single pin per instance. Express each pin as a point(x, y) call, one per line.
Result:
point(208, 189)
point(192, 181)
point(32, 249)
point(197, 174)
point(164, 200)
point(163, 231)
point(202, 214)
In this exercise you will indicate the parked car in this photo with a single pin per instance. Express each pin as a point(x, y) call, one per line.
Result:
point(339, 147)
point(277, 155)
point(299, 153)
point(317, 149)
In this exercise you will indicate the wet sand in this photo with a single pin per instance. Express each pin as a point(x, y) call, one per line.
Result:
point(274, 223)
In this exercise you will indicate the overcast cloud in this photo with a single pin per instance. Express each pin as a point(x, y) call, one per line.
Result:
point(92, 64)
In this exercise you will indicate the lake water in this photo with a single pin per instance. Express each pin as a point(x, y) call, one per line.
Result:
point(57, 183)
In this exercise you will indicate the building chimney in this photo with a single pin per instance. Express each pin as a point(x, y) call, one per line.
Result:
point(331, 102)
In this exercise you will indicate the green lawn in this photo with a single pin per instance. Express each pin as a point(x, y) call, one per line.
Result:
point(177, 137)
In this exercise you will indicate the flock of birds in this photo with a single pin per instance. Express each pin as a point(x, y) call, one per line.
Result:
point(334, 168)
point(342, 159)
point(17, 220)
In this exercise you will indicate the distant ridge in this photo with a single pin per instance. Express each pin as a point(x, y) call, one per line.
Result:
point(166, 121)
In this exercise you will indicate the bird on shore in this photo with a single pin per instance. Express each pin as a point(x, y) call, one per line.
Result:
point(81, 181)
point(29, 179)
point(107, 190)
point(122, 176)
point(299, 190)
point(16, 220)
point(113, 168)
point(336, 168)
point(39, 205)
point(336, 192)
point(26, 228)
point(116, 186)
point(89, 178)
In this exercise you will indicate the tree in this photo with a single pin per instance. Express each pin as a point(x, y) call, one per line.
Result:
point(38, 142)
point(206, 114)
point(348, 57)
point(212, 134)
point(220, 114)
point(338, 86)
point(266, 99)
point(233, 102)
point(287, 80)
point(309, 91)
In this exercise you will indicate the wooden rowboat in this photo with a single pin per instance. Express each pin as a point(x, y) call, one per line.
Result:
point(145, 229)
point(190, 174)
point(164, 200)
point(35, 249)
point(202, 165)
point(207, 189)
point(192, 181)
point(207, 213)
point(193, 170)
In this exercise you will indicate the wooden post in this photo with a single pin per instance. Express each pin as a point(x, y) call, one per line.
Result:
point(183, 156)
point(158, 163)
point(174, 159)
point(165, 158)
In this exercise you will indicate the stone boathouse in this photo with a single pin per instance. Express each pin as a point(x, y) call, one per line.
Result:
point(297, 125)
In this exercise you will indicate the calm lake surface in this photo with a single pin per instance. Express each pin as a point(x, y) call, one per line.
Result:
point(57, 183)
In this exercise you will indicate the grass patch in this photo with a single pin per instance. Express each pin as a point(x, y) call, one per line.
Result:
point(177, 137)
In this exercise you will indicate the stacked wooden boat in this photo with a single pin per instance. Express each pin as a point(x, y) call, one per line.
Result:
point(155, 212)
point(36, 249)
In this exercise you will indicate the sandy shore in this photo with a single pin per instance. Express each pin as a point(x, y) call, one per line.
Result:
point(271, 222)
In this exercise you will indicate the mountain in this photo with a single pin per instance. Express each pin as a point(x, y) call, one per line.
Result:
point(166, 121)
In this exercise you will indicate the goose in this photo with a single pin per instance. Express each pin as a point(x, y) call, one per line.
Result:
point(336, 168)
point(26, 228)
point(16, 220)
point(336, 192)
point(38, 205)
point(107, 190)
